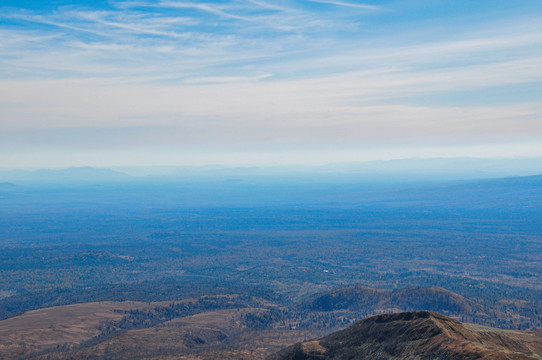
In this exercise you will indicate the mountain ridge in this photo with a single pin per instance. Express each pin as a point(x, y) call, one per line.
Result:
point(417, 335)
point(360, 297)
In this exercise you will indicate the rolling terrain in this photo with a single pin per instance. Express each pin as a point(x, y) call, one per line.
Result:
point(226, 326)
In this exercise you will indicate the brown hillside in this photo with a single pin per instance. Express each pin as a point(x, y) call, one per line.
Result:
point(417, 335)
point(62, 325)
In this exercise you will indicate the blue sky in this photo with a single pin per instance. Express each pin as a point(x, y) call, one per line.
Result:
point(252, 81)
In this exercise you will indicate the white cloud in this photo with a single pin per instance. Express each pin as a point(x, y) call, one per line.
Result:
point(269, 113)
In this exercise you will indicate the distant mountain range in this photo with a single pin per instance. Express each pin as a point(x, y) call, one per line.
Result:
point(7, 185)
point(440, 169)
point(417, 335)
point(74, 174)
point(246, 188)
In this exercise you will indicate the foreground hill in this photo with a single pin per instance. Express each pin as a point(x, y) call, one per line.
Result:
point(417, 335)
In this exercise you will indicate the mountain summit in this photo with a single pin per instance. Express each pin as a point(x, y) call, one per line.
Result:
point(417, 335)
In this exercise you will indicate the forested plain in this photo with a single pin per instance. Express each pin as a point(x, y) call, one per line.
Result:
point(275, 244)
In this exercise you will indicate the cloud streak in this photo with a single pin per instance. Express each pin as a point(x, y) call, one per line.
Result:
point(347, 4)
point(249, 75)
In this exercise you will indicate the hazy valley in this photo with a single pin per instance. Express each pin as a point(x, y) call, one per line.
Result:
point(242, 267)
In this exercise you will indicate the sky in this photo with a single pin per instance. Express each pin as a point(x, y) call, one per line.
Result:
point(170, 82)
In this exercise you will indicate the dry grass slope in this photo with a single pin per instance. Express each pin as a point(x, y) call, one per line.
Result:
point(418, 335)
point(37, 330)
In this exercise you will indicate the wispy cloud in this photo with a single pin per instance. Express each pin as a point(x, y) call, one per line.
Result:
point(226, 79)
point(207, 7)
point(347, 4)
point(199, 74)
point(267, 5)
